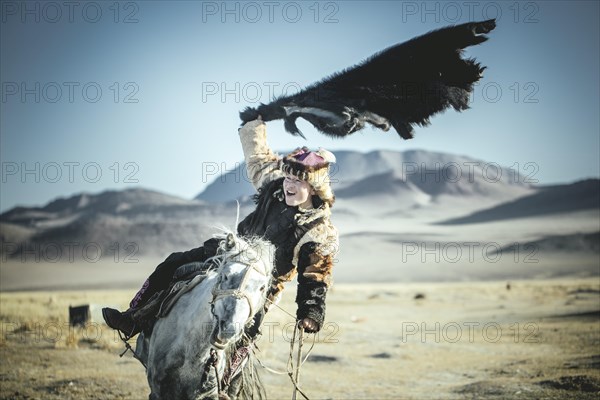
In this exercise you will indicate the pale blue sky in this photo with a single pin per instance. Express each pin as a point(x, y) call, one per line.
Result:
point(191, 66)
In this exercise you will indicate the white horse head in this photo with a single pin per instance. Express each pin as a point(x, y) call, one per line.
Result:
point(242, 283)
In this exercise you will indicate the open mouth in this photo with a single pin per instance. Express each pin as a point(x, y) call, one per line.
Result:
point(288, 193)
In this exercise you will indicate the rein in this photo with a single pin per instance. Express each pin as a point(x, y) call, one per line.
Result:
point(294, 374)
point(293, 371)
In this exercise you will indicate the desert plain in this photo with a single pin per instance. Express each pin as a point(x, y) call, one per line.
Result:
point(524, 339)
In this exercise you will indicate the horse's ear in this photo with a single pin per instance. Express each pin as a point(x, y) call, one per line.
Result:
point(229, 241)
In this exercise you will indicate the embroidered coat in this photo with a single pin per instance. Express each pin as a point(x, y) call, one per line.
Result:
point(306, 242)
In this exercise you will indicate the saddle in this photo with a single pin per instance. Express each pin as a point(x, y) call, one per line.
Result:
point(185, 278)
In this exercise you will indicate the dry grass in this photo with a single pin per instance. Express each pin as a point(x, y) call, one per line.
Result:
point(548, 347)
point(44, 317)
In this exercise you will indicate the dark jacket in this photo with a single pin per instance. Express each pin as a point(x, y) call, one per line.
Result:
point(305, 240)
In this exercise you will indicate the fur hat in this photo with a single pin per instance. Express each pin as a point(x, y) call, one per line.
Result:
point(312, 167)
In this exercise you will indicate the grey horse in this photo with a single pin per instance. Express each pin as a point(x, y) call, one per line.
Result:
point(187, 351)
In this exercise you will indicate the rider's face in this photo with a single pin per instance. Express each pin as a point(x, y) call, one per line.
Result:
point(297, 192)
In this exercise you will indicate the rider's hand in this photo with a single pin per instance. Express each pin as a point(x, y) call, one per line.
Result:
point(252, 125)
point(309, 325)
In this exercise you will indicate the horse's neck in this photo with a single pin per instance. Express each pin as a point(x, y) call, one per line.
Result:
point(193, 309)
point(180, 342)
point(201, 295)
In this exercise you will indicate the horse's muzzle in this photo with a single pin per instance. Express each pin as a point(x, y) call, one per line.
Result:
point(221, 337)
point(217, 343)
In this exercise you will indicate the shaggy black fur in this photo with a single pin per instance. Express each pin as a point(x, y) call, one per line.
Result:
point(399, 86)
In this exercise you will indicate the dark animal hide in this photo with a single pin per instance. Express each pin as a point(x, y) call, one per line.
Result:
point(401, 86)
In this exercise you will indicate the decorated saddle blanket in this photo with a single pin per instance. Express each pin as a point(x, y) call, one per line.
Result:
point(186, 277)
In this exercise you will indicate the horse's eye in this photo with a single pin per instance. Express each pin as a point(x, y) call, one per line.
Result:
point(263, 287)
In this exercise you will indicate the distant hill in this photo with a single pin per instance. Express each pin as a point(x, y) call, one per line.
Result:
point(137, 222)
point(379, 172)
point(582, 195)
point(109, 202)
point(574, 243)
point(384, 191)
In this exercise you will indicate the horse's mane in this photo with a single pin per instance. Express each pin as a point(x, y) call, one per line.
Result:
point(253, 247)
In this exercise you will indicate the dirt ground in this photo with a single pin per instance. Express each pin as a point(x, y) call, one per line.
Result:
point(477, 340)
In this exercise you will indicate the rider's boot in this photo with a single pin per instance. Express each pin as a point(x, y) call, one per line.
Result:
point(122, 321)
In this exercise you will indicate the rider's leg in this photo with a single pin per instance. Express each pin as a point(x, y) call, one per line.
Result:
point(158, 280)
point(162, 275)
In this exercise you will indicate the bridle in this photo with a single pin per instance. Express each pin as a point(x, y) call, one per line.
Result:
point(238, 292)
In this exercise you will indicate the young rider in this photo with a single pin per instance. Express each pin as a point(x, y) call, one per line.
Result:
point(293, 208)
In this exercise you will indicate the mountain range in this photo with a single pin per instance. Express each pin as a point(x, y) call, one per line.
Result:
point(377, 172)
point(410, 194)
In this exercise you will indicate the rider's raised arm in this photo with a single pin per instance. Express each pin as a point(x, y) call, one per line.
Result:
point(262, 164)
